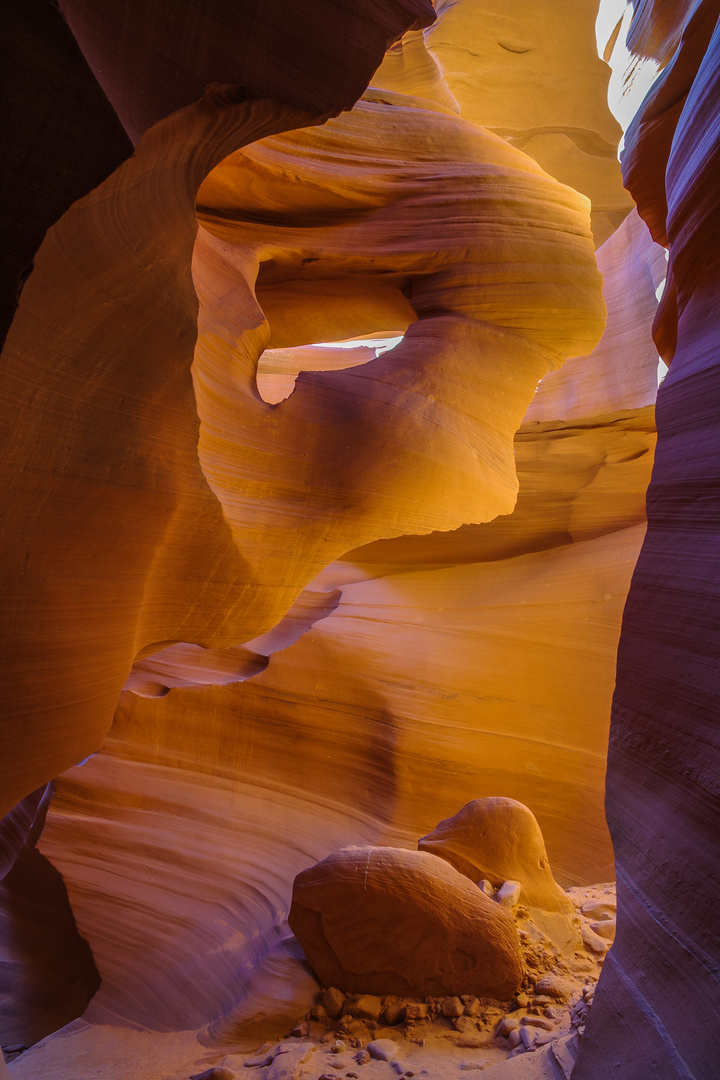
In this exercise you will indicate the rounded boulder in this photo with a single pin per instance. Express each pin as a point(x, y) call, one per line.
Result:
point(379, 920)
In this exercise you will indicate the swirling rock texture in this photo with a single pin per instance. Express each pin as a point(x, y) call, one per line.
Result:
point(532, 74)
point(308, 662)
point(658, 993)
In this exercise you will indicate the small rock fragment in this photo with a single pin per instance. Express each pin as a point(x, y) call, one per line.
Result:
point(333, 1002)
point(486, 887)
point(318, 1012)
point(543, 1038)
point(465, 1025)
point(338, 1047)
point(514, 1038)
point(555, 987)
point(522, 1000)
point(289, 1061)
point(599, 909)
point(592, 941)
point(527, 1037)
point(393, 1013)
point(451, 1007)
point(473, 1007)
point(537, 1022)
point(508, 1024)
point(509, 894)
point(301, 1030)
point(383, 1049)
point(416, 1010)
point(362, 1057)
point(605, 928)
point(402, 1068)
point(365, 1006)
point(259, 1061)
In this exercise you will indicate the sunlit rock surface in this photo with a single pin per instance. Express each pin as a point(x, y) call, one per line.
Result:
point(113, 539)
point(532, 74)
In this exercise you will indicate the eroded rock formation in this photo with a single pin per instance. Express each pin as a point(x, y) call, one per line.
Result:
point(499, 839)
point(380, 920)
point(306, 663)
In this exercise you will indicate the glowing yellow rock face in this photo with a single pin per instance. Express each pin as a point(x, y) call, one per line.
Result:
point(531, 73)
point(394, 217)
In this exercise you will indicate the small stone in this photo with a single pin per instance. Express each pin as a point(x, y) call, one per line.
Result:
point(352, 1075)
point(383, 1049)
point(514, 1038)
point(598, 909)
point(338, 1047)
point(605, 928)
point(473, 1007)
point(301, 1030)
point(416, 1010)
point(402, 1068)
point(554, 987)
point(582, 964)
point(592, 941)
point(486, 887)
point(259, 1061)
point(543, 1038)
point(318, 1012)
point(509, 894)
point(465, 1025)
point(508, 1024)
point(366, 1006)
point(527, 1037)
point(553, 1013)
point(537, 1022)
point(394, 1013)
point(451, 1007)
point(333, 1002)
point(522, 1000)
point(362, 1057)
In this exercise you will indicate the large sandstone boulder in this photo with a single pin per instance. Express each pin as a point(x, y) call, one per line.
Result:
point(384, 920)
point(499, 839)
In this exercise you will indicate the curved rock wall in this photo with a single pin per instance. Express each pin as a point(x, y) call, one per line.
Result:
point(149, 506)
point(655, 1011)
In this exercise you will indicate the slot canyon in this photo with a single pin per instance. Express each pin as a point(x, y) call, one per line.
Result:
point(360, 426)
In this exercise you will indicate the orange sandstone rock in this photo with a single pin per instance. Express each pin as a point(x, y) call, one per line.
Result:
point(499, 839)
point(388, 921)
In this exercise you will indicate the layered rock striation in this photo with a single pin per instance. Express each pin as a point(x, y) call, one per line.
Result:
point(655, 1007)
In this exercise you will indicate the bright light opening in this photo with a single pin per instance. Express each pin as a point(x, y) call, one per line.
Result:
point(278, 369)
